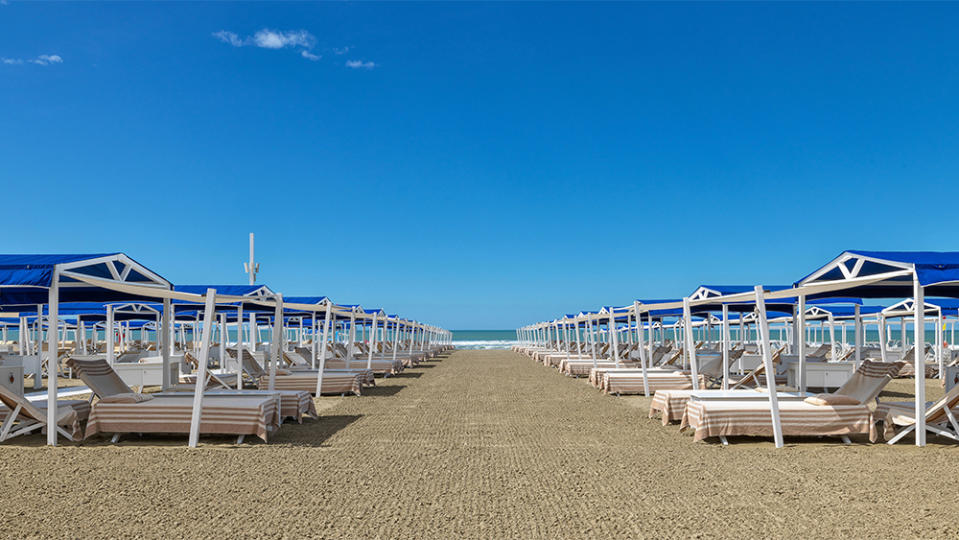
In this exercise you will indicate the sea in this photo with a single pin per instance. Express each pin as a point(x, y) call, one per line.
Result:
point(484, 339)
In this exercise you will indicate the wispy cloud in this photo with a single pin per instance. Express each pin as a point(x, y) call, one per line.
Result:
point(229, 37)
point(342, 50)
point(359, 64)
point(273, 39)
point(45, 59)
point(42, 60)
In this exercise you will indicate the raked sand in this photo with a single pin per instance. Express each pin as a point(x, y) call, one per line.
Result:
point(482, 444)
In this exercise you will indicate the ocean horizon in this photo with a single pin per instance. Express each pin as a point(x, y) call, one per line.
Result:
point(484, 339)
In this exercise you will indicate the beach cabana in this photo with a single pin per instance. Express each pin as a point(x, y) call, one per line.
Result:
point(894, 274)
point(51, 279)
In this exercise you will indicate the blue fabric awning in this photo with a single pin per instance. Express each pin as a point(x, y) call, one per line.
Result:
point(936, 271)
point(26, 279)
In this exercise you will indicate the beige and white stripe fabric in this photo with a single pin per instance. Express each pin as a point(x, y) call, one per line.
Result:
point(752, 418)
point(671, 404)
point(333, 383)
point(67, 417)
point(715, 418)
point(224, 415)
point(632, 382)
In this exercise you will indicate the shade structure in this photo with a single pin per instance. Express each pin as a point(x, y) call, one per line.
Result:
point(49, 279)
point(895, 274)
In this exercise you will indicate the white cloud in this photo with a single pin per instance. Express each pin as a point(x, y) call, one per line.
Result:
point(42, 60)
point(45, 59)
point(342, 50)
point(228, 37)
point(359, 64)
point(273, 39)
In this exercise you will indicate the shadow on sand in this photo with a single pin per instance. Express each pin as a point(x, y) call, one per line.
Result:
point(382, 391)
point(311, 432)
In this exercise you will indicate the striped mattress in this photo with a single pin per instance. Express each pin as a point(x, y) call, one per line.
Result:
point(221, 415)
point(730, 418)
point(333, 383)
point(632, 382)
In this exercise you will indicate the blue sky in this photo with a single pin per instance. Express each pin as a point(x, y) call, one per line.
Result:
point(479, 165)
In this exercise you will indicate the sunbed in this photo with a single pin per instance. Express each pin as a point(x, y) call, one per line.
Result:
point(334, 382)
point(909, 365)
point(940, 416)
point(118, 404)
point(22, 417)
point(666, 377)
point(223, 415)
point(847, 411)
point(383, 365)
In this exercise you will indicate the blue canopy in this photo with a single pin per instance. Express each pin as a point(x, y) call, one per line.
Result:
point(843, 312)
point(229, 290)
point(937, 272)
point(26, 279)
point(305, 299)
point(932, 267)
point(37, 270)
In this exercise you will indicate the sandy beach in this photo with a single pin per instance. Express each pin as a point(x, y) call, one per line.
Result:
point(480, 444)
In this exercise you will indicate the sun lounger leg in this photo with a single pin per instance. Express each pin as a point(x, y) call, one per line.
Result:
point(722, 439)
point(845, 440)
point(115, 438)
point(63, 432)
point(942, 432)
point(8, 423)
point(901, 434)
point(239, 440)
point(952, 421)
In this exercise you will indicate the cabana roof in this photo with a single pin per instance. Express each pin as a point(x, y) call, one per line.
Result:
point(26, 279)
point(932, 306)
point(261, 291)
point(937, 271)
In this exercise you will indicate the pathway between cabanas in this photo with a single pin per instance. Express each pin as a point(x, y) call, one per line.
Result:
point(482, 444)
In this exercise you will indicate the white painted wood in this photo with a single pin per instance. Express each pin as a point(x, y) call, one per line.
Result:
point(725, 339)
point(690, 343)
point(240, 345)
point(208, 313)
point(920, 359)
point(276, 343)
point(53, 311)
point(372, 343)
point(323, 345)
point(770, 369)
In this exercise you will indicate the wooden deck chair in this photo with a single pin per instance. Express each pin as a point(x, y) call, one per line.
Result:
point(25, 417)
point(940, 418)
point(753, 376)
point(305, 354)
point(100, 377)
point(670, 359)
point(210, 376)
point(713, 371)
